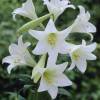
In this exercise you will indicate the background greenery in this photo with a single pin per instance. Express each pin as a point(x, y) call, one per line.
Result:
point(18, 85)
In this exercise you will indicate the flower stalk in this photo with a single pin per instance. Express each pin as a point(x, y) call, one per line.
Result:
point(33, 24)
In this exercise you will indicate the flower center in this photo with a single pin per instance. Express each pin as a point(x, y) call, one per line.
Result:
point(52, 38)
point(76, 54)
point(49, 76)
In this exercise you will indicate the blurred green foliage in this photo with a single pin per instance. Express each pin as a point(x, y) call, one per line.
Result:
point(18, 85)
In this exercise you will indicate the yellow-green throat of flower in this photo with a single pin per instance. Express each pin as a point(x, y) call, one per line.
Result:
point(49, 76)
point(76, 54)
point(52, 39)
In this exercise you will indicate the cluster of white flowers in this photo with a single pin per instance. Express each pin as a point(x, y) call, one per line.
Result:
point(51, 42)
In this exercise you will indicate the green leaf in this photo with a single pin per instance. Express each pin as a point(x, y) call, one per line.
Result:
point(62, 91)
point(26, 87)
point(32, 24)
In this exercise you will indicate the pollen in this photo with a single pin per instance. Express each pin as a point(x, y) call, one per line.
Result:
point(52, 38)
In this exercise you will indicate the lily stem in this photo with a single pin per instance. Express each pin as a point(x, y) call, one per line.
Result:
point(36, 93)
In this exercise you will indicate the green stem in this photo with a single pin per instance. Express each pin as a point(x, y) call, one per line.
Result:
point(42, 26)
point(32, 24)
point(36, 95)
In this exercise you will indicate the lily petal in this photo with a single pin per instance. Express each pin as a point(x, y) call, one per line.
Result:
point(57, 7)
point(91, 47)
point(61, 67)
point(63, 81)
point(13, 49)
point(81, 65)
point(53, 92)
point(52, 58)
point(8, 59)
point(43, 86)
point(72, 66)
point(50, 27)
point(65, 48)
point(40, 49)
point(39, 35)
point(27, 10)
point(9, 68)
point(90, 56)
point(82, 23)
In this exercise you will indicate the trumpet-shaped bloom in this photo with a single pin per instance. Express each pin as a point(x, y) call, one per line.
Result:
point(27, 10)
point(19, 55)
point(51, 41)
point(80, 53)
point(57, 7)
point(82, 23)
point(52, 77)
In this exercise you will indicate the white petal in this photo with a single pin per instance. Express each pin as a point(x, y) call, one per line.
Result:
point(88, 15)
point(81, 65)
point(40, 49)
point(13, 49)
point(62, 81)
point(43, 86)
point(10, 67)
point(84, 42)
point(51, 27)
point(65, 32)
point(53, 92)
point(39, 35)
point(91, 47)
point(27, 10)
point(82, 9)
point(61, 67)
point(20, 42)
point(52, 58)
point(8, 59)
point(27, 44)
point(71, 66)
point(70, 6)
point(91, 28)
point(57, 7)
point(64, 48)
point(81, 23)
point(90, 56)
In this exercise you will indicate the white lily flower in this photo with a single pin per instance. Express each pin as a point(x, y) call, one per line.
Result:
point(82, 23)
point(52, 77)
point(57, 7)
point(27, 10)
point(51, 41)
point(80, 53)
point(19, 55)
